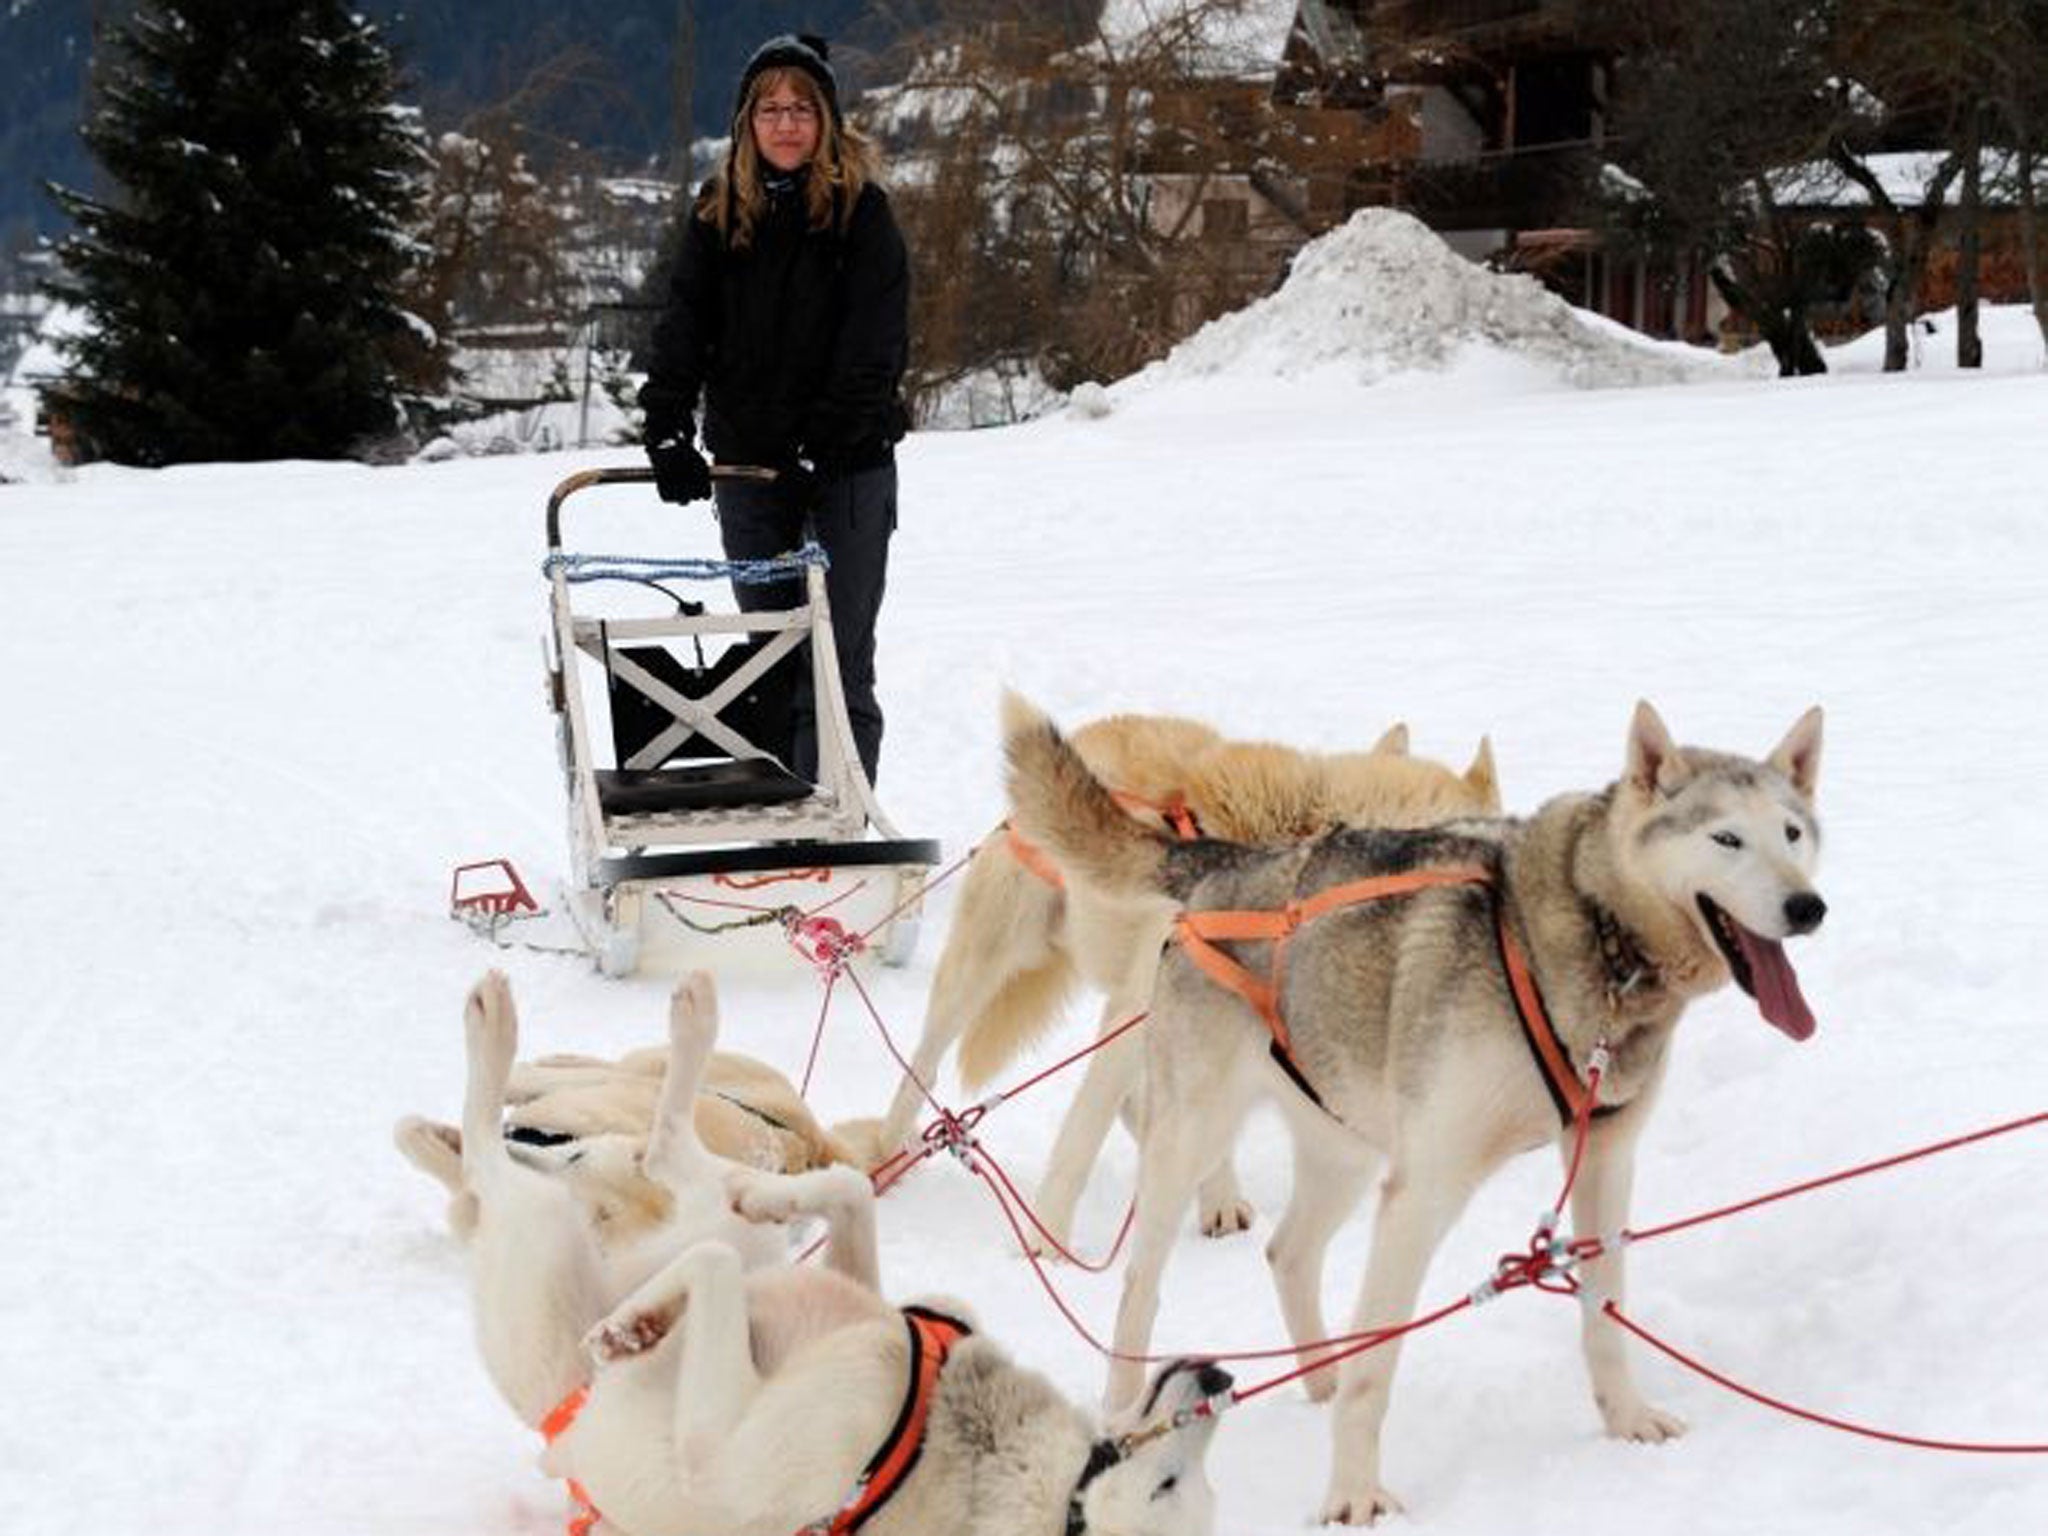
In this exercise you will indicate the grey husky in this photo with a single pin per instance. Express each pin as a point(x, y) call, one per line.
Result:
point(1400, 1040)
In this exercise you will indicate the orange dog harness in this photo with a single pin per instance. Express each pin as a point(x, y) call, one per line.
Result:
point(1175, 811)
point(932, 1337)
point(583, 1515)
point(1200, 932)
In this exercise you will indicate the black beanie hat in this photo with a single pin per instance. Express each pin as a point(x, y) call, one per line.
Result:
point(800, 50)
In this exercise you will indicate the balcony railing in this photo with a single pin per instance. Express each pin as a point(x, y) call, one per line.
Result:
point(1528, 189)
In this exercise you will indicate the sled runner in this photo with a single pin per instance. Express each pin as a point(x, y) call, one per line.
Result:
point(674, 731)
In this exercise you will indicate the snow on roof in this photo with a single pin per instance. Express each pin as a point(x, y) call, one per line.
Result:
point(1218, 38)
point(1382, 294)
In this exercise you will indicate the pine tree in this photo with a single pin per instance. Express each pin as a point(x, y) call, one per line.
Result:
point(242, 286)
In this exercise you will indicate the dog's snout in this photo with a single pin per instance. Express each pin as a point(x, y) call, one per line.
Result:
point(1804, 911)
point(1213, 1379)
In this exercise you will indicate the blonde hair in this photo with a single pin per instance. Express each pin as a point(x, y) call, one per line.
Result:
point(841, 167)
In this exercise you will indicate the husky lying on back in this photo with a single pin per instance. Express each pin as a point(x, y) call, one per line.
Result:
point(1392, 1031)
point(1019, 941)
point(726, 1392)
point(585, 1119)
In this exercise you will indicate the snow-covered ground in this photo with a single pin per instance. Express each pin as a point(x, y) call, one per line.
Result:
point(257, 712)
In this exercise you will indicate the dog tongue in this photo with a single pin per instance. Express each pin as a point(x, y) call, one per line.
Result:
point(1778, 997)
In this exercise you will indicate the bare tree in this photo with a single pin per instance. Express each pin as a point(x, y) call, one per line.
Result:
point(2016, 91)
point(1918, 71)
point(1088, 192)
point(1712, 102)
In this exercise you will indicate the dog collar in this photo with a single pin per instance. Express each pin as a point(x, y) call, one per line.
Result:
point(1628, 968)
point(1102, 1455)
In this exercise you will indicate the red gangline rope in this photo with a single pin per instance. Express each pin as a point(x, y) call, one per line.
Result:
point(1826, 1420)
point(1877, 1166)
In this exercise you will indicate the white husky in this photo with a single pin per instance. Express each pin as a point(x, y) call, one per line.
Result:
point(692, 1383)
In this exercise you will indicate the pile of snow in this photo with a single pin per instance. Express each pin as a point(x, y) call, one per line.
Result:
point(1383, 295)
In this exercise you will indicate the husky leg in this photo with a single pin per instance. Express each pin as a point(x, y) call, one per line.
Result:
point(1599, 1209)
point(843, 1197)
point(436, 1150)
point(706, 1285)
point(1182, 1143)
point(1106, 1087)
point(1330, 1174)
point(1223, 1208)
point(1418, 1202)
point(536, 1279)
point(676, 1156)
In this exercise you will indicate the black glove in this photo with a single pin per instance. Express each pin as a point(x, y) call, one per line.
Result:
point(680, 473)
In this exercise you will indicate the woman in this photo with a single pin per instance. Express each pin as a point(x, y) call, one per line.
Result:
point(788, 314)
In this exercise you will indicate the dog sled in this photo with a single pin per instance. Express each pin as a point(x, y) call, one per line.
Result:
point(686, 823)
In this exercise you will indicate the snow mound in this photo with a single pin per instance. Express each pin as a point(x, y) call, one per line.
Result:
point(1384, 294)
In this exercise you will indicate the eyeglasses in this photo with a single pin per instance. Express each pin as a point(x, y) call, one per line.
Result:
point(797, 114)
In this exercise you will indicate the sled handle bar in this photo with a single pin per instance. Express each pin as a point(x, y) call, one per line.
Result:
point(583, 479)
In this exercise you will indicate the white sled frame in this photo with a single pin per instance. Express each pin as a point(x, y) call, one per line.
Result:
point(620, 858)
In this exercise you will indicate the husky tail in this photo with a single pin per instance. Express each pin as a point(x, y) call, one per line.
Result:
point(1060, 805)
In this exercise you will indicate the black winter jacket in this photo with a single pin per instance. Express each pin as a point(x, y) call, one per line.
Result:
point(797, 344)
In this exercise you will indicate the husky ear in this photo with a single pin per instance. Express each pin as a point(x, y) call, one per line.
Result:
point(1020, 715)
point(1798, 755)
point(1394, 743)
point(1481, 778)
point(1653, 761)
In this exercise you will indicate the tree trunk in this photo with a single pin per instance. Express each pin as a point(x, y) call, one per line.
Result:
point(683, 105)
point(1969, 244)
point(1782, 326)
point(2030, 237)
point(1898, 304)
point(1912, 238)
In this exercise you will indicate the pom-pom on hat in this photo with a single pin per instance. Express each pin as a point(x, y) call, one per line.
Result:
point(793, 50)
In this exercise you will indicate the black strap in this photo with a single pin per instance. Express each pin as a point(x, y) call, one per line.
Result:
point(1102, 1455)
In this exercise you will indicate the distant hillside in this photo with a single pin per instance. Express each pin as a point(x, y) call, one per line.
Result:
point(622, 103)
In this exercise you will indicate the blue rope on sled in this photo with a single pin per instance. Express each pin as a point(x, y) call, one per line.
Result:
point(752, 573)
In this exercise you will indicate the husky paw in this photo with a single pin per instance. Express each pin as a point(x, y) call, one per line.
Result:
point(1367, 1505)
point(693, 1011)
point(427, 1143)
point(1052, 1245)
point(1637, 1420)
point(491, 1024)
point(763, 1197)
point(624, 1335)
point(1231, 1216)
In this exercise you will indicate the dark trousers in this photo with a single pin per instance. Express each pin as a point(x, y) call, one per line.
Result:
point(853, 519)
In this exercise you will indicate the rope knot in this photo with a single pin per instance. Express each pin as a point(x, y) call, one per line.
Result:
point(824, 941)
point(954, 1132)
point(1547, 1264)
